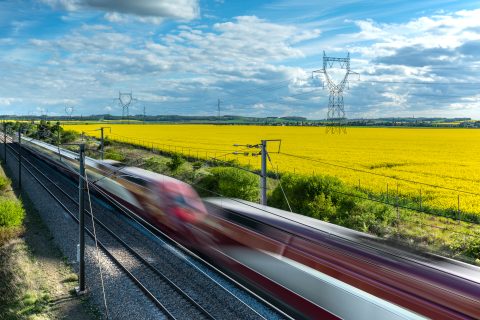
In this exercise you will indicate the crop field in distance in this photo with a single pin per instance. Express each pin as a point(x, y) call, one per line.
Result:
point(372, 159)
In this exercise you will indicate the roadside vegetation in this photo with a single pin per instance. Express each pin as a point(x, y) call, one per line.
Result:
point(319, 196)
point(34, 279)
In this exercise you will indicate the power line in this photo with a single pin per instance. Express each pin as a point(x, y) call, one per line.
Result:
point(163, 144)
point(269, 88)
point(242, 94)
point(380, 175)
point(418, 82)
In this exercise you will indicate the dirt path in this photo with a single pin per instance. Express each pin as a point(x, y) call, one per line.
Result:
point(37, 282)
point(55, 274)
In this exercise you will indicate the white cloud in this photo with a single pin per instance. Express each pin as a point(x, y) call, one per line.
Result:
point(254, 65)
point(8, 101)
point(150, 11)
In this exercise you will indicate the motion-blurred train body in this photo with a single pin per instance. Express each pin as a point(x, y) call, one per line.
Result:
point(309, 268)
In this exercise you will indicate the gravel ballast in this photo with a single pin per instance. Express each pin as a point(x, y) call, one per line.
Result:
point(220, 297)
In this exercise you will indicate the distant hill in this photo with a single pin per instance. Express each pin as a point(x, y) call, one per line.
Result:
point(274, 121)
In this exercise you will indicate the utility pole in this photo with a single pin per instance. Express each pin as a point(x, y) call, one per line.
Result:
point(59, 141)
point(81, 214)
point(102, 140)
point(5, 140)
point(263, 176)
point(20, 158)
point(264, 156)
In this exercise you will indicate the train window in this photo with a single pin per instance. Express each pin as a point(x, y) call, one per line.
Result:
point(136, 180)
point(244, 221)
point(117, 164)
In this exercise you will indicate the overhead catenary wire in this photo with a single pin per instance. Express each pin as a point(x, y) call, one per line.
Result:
point(279, 182)
point(122, 208)
point(330, 234)
point(72, 215)
point(371, 199)
point(358, 170)
point(362, 244)
point(145, 223)
point(134, 252)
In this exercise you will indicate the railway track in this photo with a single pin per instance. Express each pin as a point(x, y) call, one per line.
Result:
point(179, 288)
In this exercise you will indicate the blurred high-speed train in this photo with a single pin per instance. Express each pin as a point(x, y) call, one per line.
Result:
point(309, 268)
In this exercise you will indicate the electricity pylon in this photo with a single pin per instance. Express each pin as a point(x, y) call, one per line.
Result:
point(336, 111)
point(125, 99)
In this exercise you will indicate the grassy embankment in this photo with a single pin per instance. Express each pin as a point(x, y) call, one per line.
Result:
point(35, 281)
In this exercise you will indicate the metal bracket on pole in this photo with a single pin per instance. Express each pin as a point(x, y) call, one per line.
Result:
point(264, 154)
point(19, 158)
point(263, 177)
point(81, 212)
point(5, 141)
point(101, 142)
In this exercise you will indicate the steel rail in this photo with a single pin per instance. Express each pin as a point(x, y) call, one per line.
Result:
point(129, 248)
point(149, 226)
point(101, 245)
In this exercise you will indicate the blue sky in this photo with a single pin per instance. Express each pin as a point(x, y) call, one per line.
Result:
point(415, 58)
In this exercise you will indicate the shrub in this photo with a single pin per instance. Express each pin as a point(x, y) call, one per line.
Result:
point(175, 162)
point(114, 155)
point(154, 164)
point(68, 136)
point(229, 182)
point(11, 213)
point(4, 183)
point(307, 194)
point(328, 199)
point(106, 142)
point(197, 165)
point(466, 245)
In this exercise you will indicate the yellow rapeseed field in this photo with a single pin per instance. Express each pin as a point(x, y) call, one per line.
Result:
point(449, 158)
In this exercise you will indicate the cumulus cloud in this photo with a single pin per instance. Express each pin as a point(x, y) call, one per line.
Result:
point(7, 101)
point(255, 66)
point(145, 10)
point(418, 56)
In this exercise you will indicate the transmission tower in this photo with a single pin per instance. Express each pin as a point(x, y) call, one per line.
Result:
point(218, 108)
point(336, 112)
point(125, 100)
point(69, 111)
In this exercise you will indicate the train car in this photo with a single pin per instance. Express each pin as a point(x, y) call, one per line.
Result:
point(312, 269)
point(318, 267)
point(165, 202)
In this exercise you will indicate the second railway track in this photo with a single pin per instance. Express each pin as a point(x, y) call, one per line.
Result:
point(179, 288)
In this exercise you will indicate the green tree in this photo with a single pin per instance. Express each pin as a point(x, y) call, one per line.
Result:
point(175, 162)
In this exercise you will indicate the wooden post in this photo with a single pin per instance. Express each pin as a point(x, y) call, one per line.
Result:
point(19, 158)
point(5, 141)
point(458, 208)
point(396, 204)
point(388, 201)
point(421, 205)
